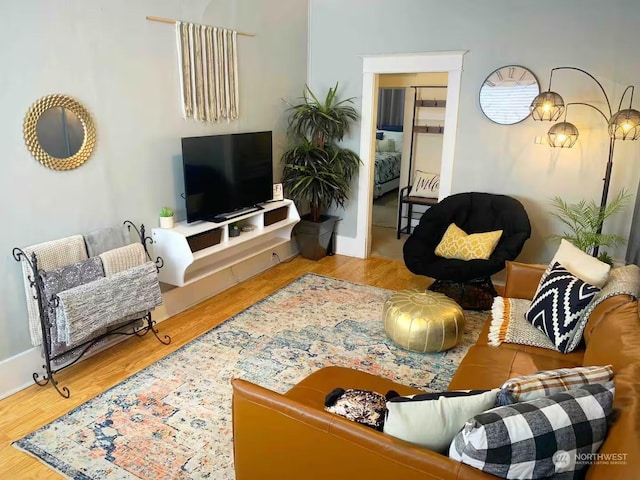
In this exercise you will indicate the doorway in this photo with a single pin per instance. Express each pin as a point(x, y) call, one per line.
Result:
point(373, 67)
point(402, 149)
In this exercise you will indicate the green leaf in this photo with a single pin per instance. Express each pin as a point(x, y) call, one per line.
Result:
point(583, 220)
point(315, 169)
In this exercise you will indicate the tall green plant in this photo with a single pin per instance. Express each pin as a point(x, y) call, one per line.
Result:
point(316, 170)
point(583, 220)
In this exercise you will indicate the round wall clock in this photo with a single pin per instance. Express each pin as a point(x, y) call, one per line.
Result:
point(507, 93)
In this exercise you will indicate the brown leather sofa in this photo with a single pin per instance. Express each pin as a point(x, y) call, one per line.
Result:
point(290, 436)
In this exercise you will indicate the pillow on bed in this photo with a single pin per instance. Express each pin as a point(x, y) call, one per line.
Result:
point(396, 137)
point(386, 145)
point(379, 135)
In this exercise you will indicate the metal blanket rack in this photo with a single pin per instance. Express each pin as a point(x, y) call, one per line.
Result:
point(81, 349)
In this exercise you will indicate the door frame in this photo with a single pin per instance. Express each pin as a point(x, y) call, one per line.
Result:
point(372, 66)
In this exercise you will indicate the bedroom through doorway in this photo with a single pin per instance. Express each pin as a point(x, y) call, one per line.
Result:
point(401, 150)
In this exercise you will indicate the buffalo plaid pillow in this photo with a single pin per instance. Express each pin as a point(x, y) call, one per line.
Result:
point(537, 439)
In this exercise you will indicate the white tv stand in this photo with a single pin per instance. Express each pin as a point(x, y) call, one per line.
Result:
point(192, 251)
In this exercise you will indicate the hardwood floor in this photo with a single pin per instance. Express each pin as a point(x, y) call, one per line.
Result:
point(35, 406)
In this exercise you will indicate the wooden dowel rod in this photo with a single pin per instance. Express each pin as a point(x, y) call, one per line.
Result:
point(172, 22)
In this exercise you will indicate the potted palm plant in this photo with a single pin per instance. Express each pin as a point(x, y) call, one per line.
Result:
point(584, 221)
point(317, 172)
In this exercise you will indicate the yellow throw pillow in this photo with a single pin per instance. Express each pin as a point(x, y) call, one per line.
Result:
point(456, 243)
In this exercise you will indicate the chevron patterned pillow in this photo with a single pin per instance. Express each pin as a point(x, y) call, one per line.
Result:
point(558, 306)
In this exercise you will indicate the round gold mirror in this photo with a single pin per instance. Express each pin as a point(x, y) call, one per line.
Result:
point(59, 132)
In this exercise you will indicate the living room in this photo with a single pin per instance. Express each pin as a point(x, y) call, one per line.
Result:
point(123, 69)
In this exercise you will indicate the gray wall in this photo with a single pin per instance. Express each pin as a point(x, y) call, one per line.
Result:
point(122, 68)
point(539, 35)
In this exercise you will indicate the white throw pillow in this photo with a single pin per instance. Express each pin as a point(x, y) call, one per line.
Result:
point(426, 185)
point(386, 145)
point(587, 268)
point(396, 137)
point(432, 420)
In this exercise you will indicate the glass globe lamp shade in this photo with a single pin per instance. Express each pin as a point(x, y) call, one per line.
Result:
point(563, 135)
point(547, 106)
point(625, 125)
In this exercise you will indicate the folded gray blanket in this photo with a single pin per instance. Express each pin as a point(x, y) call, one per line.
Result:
point(107, 301)
point(59, 280)
point(105, 239)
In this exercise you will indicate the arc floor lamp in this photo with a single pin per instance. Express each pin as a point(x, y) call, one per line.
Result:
point(622, 125)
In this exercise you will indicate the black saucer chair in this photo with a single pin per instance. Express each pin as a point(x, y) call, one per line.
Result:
point(468, 282)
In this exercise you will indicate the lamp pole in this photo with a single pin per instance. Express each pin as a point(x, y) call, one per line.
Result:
point(605, 191)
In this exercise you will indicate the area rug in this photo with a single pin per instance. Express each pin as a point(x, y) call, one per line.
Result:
point(173, 419)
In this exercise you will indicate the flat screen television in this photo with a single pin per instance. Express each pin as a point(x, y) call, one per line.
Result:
point(226, 174)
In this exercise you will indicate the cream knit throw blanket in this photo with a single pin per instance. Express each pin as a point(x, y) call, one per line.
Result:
point(208, 71)
point(123, 258)
point(508, 322)
point(50, 256)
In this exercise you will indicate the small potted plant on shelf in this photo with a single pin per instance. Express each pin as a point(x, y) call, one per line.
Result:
point(317, 172)
point(166, 217)
point(584, 219)
point(234, 230)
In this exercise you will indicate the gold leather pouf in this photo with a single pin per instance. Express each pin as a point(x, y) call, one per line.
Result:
point(423, 321)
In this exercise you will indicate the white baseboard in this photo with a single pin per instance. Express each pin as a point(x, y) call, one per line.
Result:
point(16, 373)
point(351, 247)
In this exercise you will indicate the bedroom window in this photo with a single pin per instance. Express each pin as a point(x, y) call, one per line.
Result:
point(390, 109)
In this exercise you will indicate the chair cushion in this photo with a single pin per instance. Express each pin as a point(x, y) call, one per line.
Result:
point(456, 243)
point(473, 212)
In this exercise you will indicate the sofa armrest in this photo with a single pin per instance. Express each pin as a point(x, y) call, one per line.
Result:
point(522, 279)
point(277, 437)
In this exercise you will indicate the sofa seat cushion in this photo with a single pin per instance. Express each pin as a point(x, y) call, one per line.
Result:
point(574, 357)
point(485, 367)
point(313, 389)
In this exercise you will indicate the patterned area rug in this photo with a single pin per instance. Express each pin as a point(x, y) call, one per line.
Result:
point(173, 419)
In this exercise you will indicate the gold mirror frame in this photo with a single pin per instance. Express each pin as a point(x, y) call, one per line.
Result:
point(31, 138)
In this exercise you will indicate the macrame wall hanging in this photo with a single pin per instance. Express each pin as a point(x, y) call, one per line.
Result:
point(208, 70)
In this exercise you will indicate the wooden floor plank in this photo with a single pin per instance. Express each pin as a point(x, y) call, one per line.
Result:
point(36, 406)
